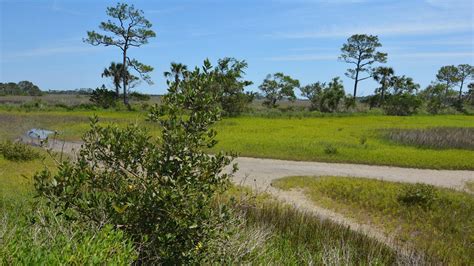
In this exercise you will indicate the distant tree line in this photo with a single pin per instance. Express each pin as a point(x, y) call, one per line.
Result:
point(81, 91)
point(25, 88)
point(396, 95)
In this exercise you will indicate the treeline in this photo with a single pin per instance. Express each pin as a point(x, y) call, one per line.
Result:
point(25, 88)
point(396, 95)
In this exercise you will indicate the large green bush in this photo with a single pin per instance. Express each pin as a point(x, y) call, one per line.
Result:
point(159, 191)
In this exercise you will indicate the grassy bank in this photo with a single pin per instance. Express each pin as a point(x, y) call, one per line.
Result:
point(438, 221)
point(350, 139)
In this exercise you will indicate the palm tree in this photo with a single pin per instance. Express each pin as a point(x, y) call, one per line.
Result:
point(177, 71)
point(383, 75)
point(114, 71)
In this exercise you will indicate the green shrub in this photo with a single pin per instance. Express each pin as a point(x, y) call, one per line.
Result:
point(103, 98)
point(402, 104)
point(421, 195)
point(17, 151)
point(330, 149)
point(159, 191)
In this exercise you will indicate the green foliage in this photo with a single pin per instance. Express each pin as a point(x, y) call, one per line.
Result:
point(22, 88)
point(17, 151)
point(361, 51)
point(465, 73)
point(130, 29)
point(136, 96)
point(325, 98)
point(33, 235)
point(277, 87)
point(330, 149)
point(116, 72)
point(158, 191)
point(448, 75)
point(402, 99)
point(383, 76)
point(441, 231)
point(434, 95)
point(402, 104)
point(103, 97)
point(421, 195)
point(230, 86)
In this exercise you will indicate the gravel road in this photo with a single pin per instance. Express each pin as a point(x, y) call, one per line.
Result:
point(259, 173)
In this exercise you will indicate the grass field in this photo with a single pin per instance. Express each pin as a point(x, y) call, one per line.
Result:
point(351, 139)
point(269, 232)
point(438, 221)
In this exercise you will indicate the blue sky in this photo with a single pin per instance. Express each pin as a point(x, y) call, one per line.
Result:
point(41, 41)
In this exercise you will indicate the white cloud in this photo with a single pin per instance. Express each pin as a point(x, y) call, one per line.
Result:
point(424, 28)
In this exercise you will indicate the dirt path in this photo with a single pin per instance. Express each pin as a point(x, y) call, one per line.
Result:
point(259, 174)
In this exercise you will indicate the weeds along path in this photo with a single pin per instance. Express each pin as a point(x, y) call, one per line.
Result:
point(259, 173)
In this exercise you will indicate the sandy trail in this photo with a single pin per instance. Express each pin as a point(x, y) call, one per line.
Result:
point(259, 174)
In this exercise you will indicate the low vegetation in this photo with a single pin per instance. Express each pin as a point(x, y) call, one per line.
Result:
point(270, 138)
point(435, 220)
point(260, 231)
point(17, 151)
point(437, 138)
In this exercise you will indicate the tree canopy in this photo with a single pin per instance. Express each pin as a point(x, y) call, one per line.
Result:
point(360, 50)
point(130, 29)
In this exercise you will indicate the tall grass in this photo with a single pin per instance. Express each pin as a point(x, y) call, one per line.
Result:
point(271, 232)
point(37, 237)
point(437, 137)
point(439, 222)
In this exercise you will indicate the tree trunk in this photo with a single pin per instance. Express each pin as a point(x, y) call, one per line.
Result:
point(382, 93)
point(355, 83)
point(124, 76)
point(117, 91)
point(460, 90)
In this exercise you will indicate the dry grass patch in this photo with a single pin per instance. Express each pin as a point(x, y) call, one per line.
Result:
point(437, 137)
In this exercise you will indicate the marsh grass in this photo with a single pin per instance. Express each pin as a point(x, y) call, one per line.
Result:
point(437, 221)
point(358, 139)
point(272, 232)
point(35, 236)
point(437, 137)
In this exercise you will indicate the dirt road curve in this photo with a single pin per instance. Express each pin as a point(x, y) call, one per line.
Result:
point(259, 173)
